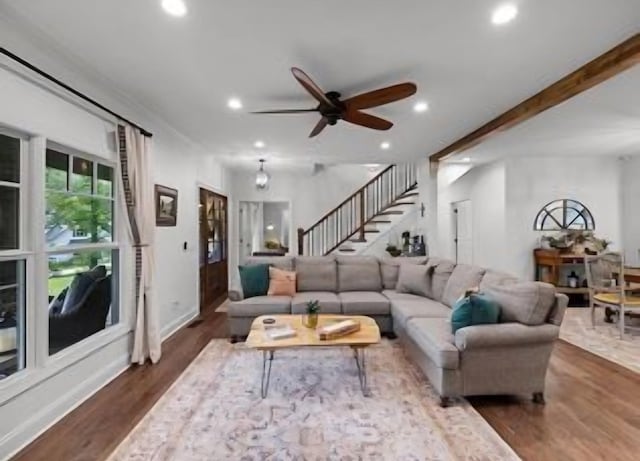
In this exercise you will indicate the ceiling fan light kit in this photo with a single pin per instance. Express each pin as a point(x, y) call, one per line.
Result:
point(332, 108)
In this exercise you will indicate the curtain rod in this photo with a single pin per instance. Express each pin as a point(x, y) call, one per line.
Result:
point(77, 93)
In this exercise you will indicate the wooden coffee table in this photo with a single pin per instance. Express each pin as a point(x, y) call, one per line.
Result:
point(307, 337)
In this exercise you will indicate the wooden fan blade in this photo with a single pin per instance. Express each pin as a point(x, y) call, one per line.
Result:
point(309, 85)
point(319, 127)
point(370, 121)
point(284, 111)
point(381, 97)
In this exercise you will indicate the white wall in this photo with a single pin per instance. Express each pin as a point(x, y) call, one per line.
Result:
point(485, 187)
point(309, 194)
point(534, 181)
point(32, 400)
point(630, 209)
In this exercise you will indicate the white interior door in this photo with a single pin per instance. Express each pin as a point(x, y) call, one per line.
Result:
point(463, 229)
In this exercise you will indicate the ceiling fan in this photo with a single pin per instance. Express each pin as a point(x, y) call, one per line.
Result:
point(332, 108)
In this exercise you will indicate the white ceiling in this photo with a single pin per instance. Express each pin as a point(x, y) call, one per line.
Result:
point(468, 70)
point(604, 120)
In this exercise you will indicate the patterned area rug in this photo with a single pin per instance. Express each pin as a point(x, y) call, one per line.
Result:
point(314, 411)
point(604, 340)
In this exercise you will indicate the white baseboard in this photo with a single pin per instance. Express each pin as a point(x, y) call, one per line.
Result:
point(179, 322)
point(39, 422)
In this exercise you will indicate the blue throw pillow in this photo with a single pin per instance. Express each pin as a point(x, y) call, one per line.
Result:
point(254, 280)
point(475, 309)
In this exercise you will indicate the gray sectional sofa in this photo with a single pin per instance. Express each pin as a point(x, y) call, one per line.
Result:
point(510, 357)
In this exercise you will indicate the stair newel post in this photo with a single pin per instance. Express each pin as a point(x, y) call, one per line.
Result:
point(362, 218)
point(300, 241)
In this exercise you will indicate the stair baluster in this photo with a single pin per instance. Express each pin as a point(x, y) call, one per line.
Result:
point(349, 219)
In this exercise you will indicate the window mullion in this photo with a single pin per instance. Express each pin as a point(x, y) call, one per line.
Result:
point(37, 294)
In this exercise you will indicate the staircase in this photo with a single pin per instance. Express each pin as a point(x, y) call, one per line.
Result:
point(365, 215)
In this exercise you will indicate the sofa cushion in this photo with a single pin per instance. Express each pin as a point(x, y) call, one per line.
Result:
point(524, 302)
point(440, 276)
point(475, 309)
point(434, 337)
point(390, 268)
point(462, 278)
point(364, 303)
point(281, 262)
point(393, 295)
point(317, 273)
point(260, 305)
point(329, 302)
point(80, 287)
point(491, 278)
point(254, 280)
point(415, 279)
point(281, 282)
point(403, 310)
point(359, 273)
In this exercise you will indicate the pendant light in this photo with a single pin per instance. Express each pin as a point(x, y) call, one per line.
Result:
point(262, 177)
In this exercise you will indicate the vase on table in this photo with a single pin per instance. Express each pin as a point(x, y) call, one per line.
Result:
point(310, 318)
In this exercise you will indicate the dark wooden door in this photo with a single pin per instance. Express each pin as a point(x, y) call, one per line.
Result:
point(214, 248)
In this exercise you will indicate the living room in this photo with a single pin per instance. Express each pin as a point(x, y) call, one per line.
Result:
point(504, 150)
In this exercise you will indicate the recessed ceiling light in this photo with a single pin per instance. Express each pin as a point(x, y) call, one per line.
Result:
point(174, 7)
point(259, 144)
point(385, 145)
point(234, 103)
point(421, 106)
point(504, 14)
point(466, 159)
point(270, 227)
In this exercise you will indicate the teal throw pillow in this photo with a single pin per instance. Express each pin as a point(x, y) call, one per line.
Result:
point(254, 280)
point(475, 309)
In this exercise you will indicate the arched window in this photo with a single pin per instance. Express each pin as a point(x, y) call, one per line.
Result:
point(564, 214)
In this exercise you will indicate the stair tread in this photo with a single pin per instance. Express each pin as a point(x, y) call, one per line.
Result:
point(370, 231)
point(380, 221)
point(382, 213)
point(410, 194)
point(347, 250)
point(358, 240)
point(401, 203)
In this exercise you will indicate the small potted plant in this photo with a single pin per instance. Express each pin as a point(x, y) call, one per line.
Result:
point(393, 250)
point(310, 319)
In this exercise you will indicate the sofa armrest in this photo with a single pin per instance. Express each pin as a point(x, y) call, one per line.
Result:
point(235, 295)
point(504, 334)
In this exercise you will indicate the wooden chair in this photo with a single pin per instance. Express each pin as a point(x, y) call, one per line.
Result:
point(608, 289)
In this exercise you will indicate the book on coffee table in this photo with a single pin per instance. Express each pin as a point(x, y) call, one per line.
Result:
point(279, 332)
point(338, 329)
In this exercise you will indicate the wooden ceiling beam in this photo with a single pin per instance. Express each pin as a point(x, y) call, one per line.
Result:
point(611, 63)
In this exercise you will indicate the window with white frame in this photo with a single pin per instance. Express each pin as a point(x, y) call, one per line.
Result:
point(13, 257)
point(81, 249)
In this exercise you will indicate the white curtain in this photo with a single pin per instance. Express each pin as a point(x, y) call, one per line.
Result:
point(147, 342)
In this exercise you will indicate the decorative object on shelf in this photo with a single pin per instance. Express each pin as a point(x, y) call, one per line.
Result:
point(339, 329)
point(262, 177)
point(310, 319)
point(166, 206)
point(564, 214)
point(393, 250)
point(573, 280)
point(575, 242)
point(406, 242)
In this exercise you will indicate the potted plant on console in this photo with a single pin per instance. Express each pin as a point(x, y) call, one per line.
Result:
point(310, 319)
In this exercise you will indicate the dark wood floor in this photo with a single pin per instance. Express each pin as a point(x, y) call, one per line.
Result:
point(592, 411)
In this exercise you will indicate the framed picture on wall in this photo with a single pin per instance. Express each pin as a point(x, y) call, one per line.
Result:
point(166, 206)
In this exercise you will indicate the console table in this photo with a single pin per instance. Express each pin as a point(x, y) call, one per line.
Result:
point(550, 264)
